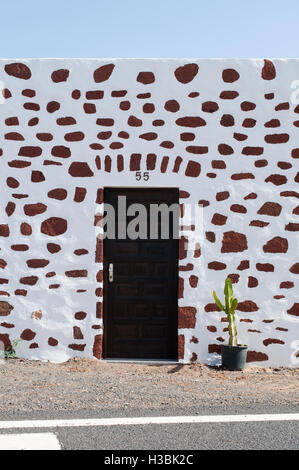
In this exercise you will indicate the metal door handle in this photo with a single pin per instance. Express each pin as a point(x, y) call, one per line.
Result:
point(110, 272)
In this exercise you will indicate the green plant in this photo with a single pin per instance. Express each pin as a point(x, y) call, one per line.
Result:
point(230, 306)
point(10, 352)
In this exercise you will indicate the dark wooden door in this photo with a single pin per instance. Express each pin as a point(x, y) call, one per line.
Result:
point(140, 304)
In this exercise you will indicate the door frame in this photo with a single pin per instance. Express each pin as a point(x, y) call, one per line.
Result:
point(105, 270)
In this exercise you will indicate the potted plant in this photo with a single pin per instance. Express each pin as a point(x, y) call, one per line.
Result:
point(233, 354)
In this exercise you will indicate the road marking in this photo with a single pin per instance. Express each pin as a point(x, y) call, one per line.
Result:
point(66, 423)
point(29, 441)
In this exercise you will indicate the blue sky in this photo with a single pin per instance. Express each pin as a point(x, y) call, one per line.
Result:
point(149, 28)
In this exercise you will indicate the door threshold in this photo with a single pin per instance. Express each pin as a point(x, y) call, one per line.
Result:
point(143, 361)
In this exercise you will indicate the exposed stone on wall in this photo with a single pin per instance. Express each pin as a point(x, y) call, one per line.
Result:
point(72, 127)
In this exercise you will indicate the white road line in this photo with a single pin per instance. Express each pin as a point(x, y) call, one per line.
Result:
point(66, 423)
point(29, 441)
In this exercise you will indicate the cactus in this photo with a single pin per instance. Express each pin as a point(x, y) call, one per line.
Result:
point(230, 306)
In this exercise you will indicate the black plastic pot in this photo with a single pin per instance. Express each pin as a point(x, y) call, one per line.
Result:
point(233, 357)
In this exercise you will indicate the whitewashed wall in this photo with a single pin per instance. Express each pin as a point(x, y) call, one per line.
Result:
point(232, 166)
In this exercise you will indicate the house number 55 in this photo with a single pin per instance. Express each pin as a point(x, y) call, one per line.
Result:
point(144, 175)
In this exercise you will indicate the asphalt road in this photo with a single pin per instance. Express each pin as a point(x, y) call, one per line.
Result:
point(265, 435)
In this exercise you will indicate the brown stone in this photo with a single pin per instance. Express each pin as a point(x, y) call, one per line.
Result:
point(186, 73)
point(190, 121)
point(216, 265)
point(187, 317)
point(228, 95)
point(268, 71)
point(30, 151)
point(193, 169)
point(238, 208)
point(276, 245)
point(266, 267)
point(60, 75)
point(80, 169)
point(252, 282)
point(26, 229)
point(4, 338)
point(77, 273)
point(4, 230)
point(97, 346)
point(209, 107)
point(80, 315)
point(219, 219)
point(276, 179)
point(247, 106)
point(77, 347)
point(133, 121)
point(37, 263)
point(53, 106)
point(103, 73)
point(233, 242)
point(277, 138)
point(230, 75)
point(5, 308)
point(253, 151)
point(181, 347)
point(61, 151)
point(18, 70)
point(29, 280)
point(247, 306)
point(243, 265)
point(294, 310)
point(286, 285)
point(212, 307)
point(270, 208)
point(254, 356)
point(80, 194)
point(34, 209)
point(54, 226)
point(242, 176)
point(272, 341)
point(77, 333)
point(28, 335)
point(292, 227)
point(214, 348)
point(59, 194)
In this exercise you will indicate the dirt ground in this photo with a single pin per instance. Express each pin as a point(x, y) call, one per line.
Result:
point(91, 384)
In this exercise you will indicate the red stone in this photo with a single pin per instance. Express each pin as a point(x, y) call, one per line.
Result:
point(276, 245)
point(186, 73)
point(18, 70)
point(217, 266)
point(80, 169)
point(219, 219)
point(34, 209)
point(294, 310)
point(266, 267)
point(191, 121)
point(28, 335)
point(59, 194)
point(187, 317)
point(268, 71)
point(60, 75)
point(233, 242)
point(193, 169)
point(54, 226)
point(103, 73)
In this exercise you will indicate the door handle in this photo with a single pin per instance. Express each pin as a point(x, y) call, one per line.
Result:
point(110, 272)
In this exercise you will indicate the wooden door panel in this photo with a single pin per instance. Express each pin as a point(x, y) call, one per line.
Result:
point(140, 305)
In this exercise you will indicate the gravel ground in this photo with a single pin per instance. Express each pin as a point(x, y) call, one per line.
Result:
point(91, 384)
